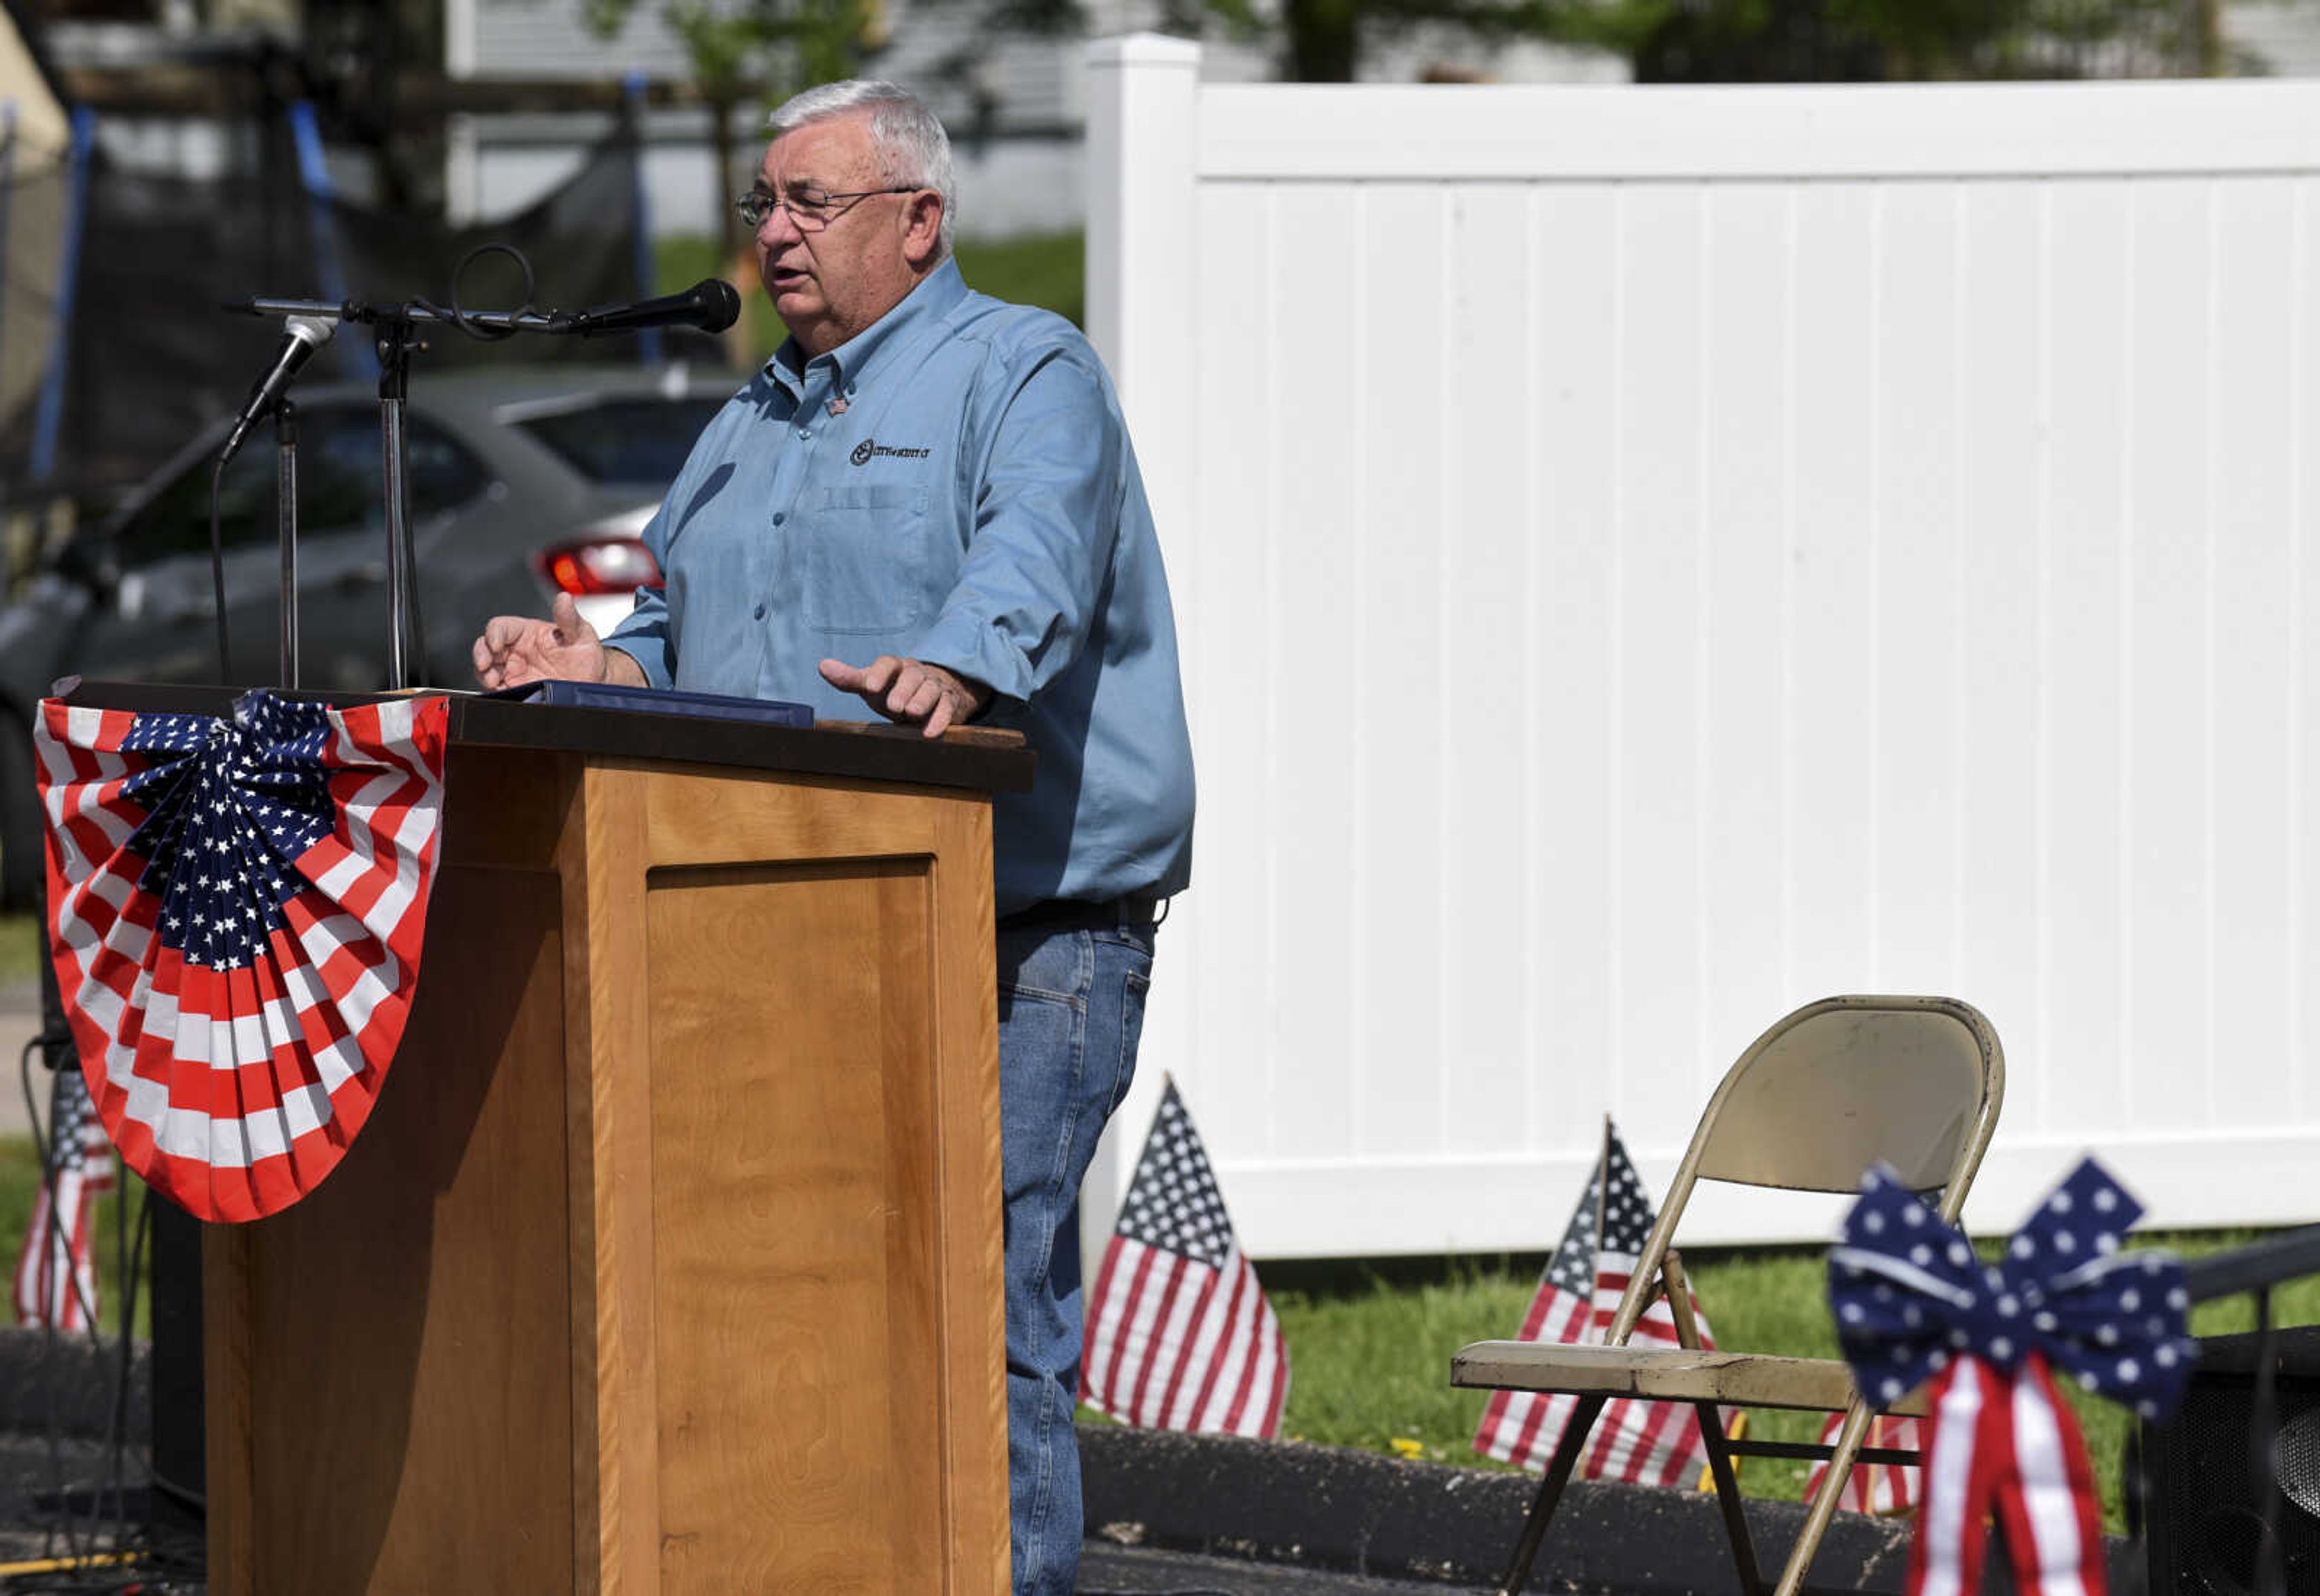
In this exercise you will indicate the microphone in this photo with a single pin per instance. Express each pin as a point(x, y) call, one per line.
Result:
point(710, 305)
point(301, 337)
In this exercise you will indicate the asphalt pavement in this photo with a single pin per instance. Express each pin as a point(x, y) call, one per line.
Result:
point(1167, 1515)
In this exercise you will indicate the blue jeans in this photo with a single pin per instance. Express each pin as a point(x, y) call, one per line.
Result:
point(1071, 1010)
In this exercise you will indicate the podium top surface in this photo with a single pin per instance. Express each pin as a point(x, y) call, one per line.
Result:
point(975, 758)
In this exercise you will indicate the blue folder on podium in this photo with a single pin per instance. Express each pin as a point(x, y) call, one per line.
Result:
point(656, 701)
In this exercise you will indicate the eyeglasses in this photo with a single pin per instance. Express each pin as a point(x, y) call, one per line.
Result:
point(810, 208)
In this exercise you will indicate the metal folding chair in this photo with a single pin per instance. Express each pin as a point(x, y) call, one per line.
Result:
point(1835, 1087)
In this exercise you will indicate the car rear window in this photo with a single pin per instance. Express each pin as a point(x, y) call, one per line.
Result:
point(641, 441)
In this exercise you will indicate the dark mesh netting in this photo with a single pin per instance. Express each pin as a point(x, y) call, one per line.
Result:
point(153, 356)
point(581, 241)
point(149, 355)
point(32, 212)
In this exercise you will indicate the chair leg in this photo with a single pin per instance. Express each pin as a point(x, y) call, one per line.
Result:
point(1727, 1499)
point(1824, 1506)
point(1550, 1492)
point(1678, 1287)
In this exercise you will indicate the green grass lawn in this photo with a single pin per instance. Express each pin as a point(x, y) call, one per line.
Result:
point(19, 1164)
point(20, 945)
point(20, 1173)
point(1370, 1346)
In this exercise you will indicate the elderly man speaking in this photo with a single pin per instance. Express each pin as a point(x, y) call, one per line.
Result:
point(926, 502)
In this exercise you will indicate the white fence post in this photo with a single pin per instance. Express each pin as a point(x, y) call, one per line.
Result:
point(1141, 246)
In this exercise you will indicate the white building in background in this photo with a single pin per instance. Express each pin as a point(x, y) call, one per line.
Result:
point(2281, 38)
point(1019, 155)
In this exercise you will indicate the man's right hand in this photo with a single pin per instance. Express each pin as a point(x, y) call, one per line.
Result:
point(516, 649)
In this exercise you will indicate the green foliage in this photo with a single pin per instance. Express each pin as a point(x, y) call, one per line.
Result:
point(1726, 40)
point(20, 1182)
point(1046, 269)
point(762, 49)
point(20, 948)
point(1712, 40)
point(1043, 269)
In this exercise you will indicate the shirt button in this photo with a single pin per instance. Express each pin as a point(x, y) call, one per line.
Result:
point(758, 613)
point(778, 518)
point(805, 432)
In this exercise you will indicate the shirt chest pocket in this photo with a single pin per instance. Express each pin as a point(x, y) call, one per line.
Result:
point(868, 558)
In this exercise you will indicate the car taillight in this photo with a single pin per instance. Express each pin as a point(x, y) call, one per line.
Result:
point(598, 565)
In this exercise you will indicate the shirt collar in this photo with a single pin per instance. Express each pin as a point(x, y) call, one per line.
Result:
point(858, 356)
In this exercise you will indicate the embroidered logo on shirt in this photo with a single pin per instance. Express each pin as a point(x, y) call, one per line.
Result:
point(869, 449)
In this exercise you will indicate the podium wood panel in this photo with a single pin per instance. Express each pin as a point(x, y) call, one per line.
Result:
point(813, 1292)
point(670, 1258)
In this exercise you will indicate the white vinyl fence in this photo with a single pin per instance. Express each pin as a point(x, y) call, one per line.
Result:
point(1647, 558)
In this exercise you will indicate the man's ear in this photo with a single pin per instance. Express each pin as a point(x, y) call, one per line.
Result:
point(923, 229)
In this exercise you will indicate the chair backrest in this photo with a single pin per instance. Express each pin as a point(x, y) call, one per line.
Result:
point(1831, 1088)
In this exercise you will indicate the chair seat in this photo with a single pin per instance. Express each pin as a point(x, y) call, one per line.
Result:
point(1665, 1373)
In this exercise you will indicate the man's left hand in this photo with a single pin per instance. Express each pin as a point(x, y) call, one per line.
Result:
point(910, 691)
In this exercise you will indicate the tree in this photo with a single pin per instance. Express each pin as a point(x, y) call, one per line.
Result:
point(755, 51)
point(1805, 40)
point(1719, 41)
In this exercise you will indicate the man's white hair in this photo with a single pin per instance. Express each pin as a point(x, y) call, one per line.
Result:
point(910, 143)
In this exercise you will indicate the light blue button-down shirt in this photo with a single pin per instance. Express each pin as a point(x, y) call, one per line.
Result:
point(955, 484)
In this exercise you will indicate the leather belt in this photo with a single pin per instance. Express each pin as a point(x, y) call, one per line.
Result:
point(1077, 914)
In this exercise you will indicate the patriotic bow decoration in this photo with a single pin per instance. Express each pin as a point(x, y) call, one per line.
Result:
point(1912, 1301)
point(235, 914)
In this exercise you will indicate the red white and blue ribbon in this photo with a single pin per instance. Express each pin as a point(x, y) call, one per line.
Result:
point(1912, 1303)
point(236, 908)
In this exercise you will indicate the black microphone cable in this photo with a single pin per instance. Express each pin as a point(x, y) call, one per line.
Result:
point(463, 320)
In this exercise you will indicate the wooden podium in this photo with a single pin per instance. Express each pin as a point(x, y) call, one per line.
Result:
point(669, 1260)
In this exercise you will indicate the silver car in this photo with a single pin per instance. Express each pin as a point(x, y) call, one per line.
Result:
point(523, 484)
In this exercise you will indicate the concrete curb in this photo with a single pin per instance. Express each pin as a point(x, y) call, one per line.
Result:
point(1331, 1507)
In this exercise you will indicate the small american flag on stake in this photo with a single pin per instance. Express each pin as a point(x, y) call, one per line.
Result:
point(1885, 1488)
point(1648, 1443)
point(56, 1280)
point(1180, 1335)
point(235, 913)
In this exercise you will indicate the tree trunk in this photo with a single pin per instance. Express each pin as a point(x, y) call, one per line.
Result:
point(732, 240)
point(1323, 39)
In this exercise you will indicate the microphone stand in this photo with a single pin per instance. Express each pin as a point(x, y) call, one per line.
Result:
point(285, 520)
point(398, 327)
point(395, 345)
point(712, 305)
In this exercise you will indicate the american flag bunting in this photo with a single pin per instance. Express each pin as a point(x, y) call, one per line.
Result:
point(1647, 1443)
point(1179, 1333)
point(236, 914)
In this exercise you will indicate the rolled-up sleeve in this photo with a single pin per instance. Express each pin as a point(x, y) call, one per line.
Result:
point(1047, 519)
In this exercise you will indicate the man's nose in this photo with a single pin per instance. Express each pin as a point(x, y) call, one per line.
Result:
point(779, 226)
